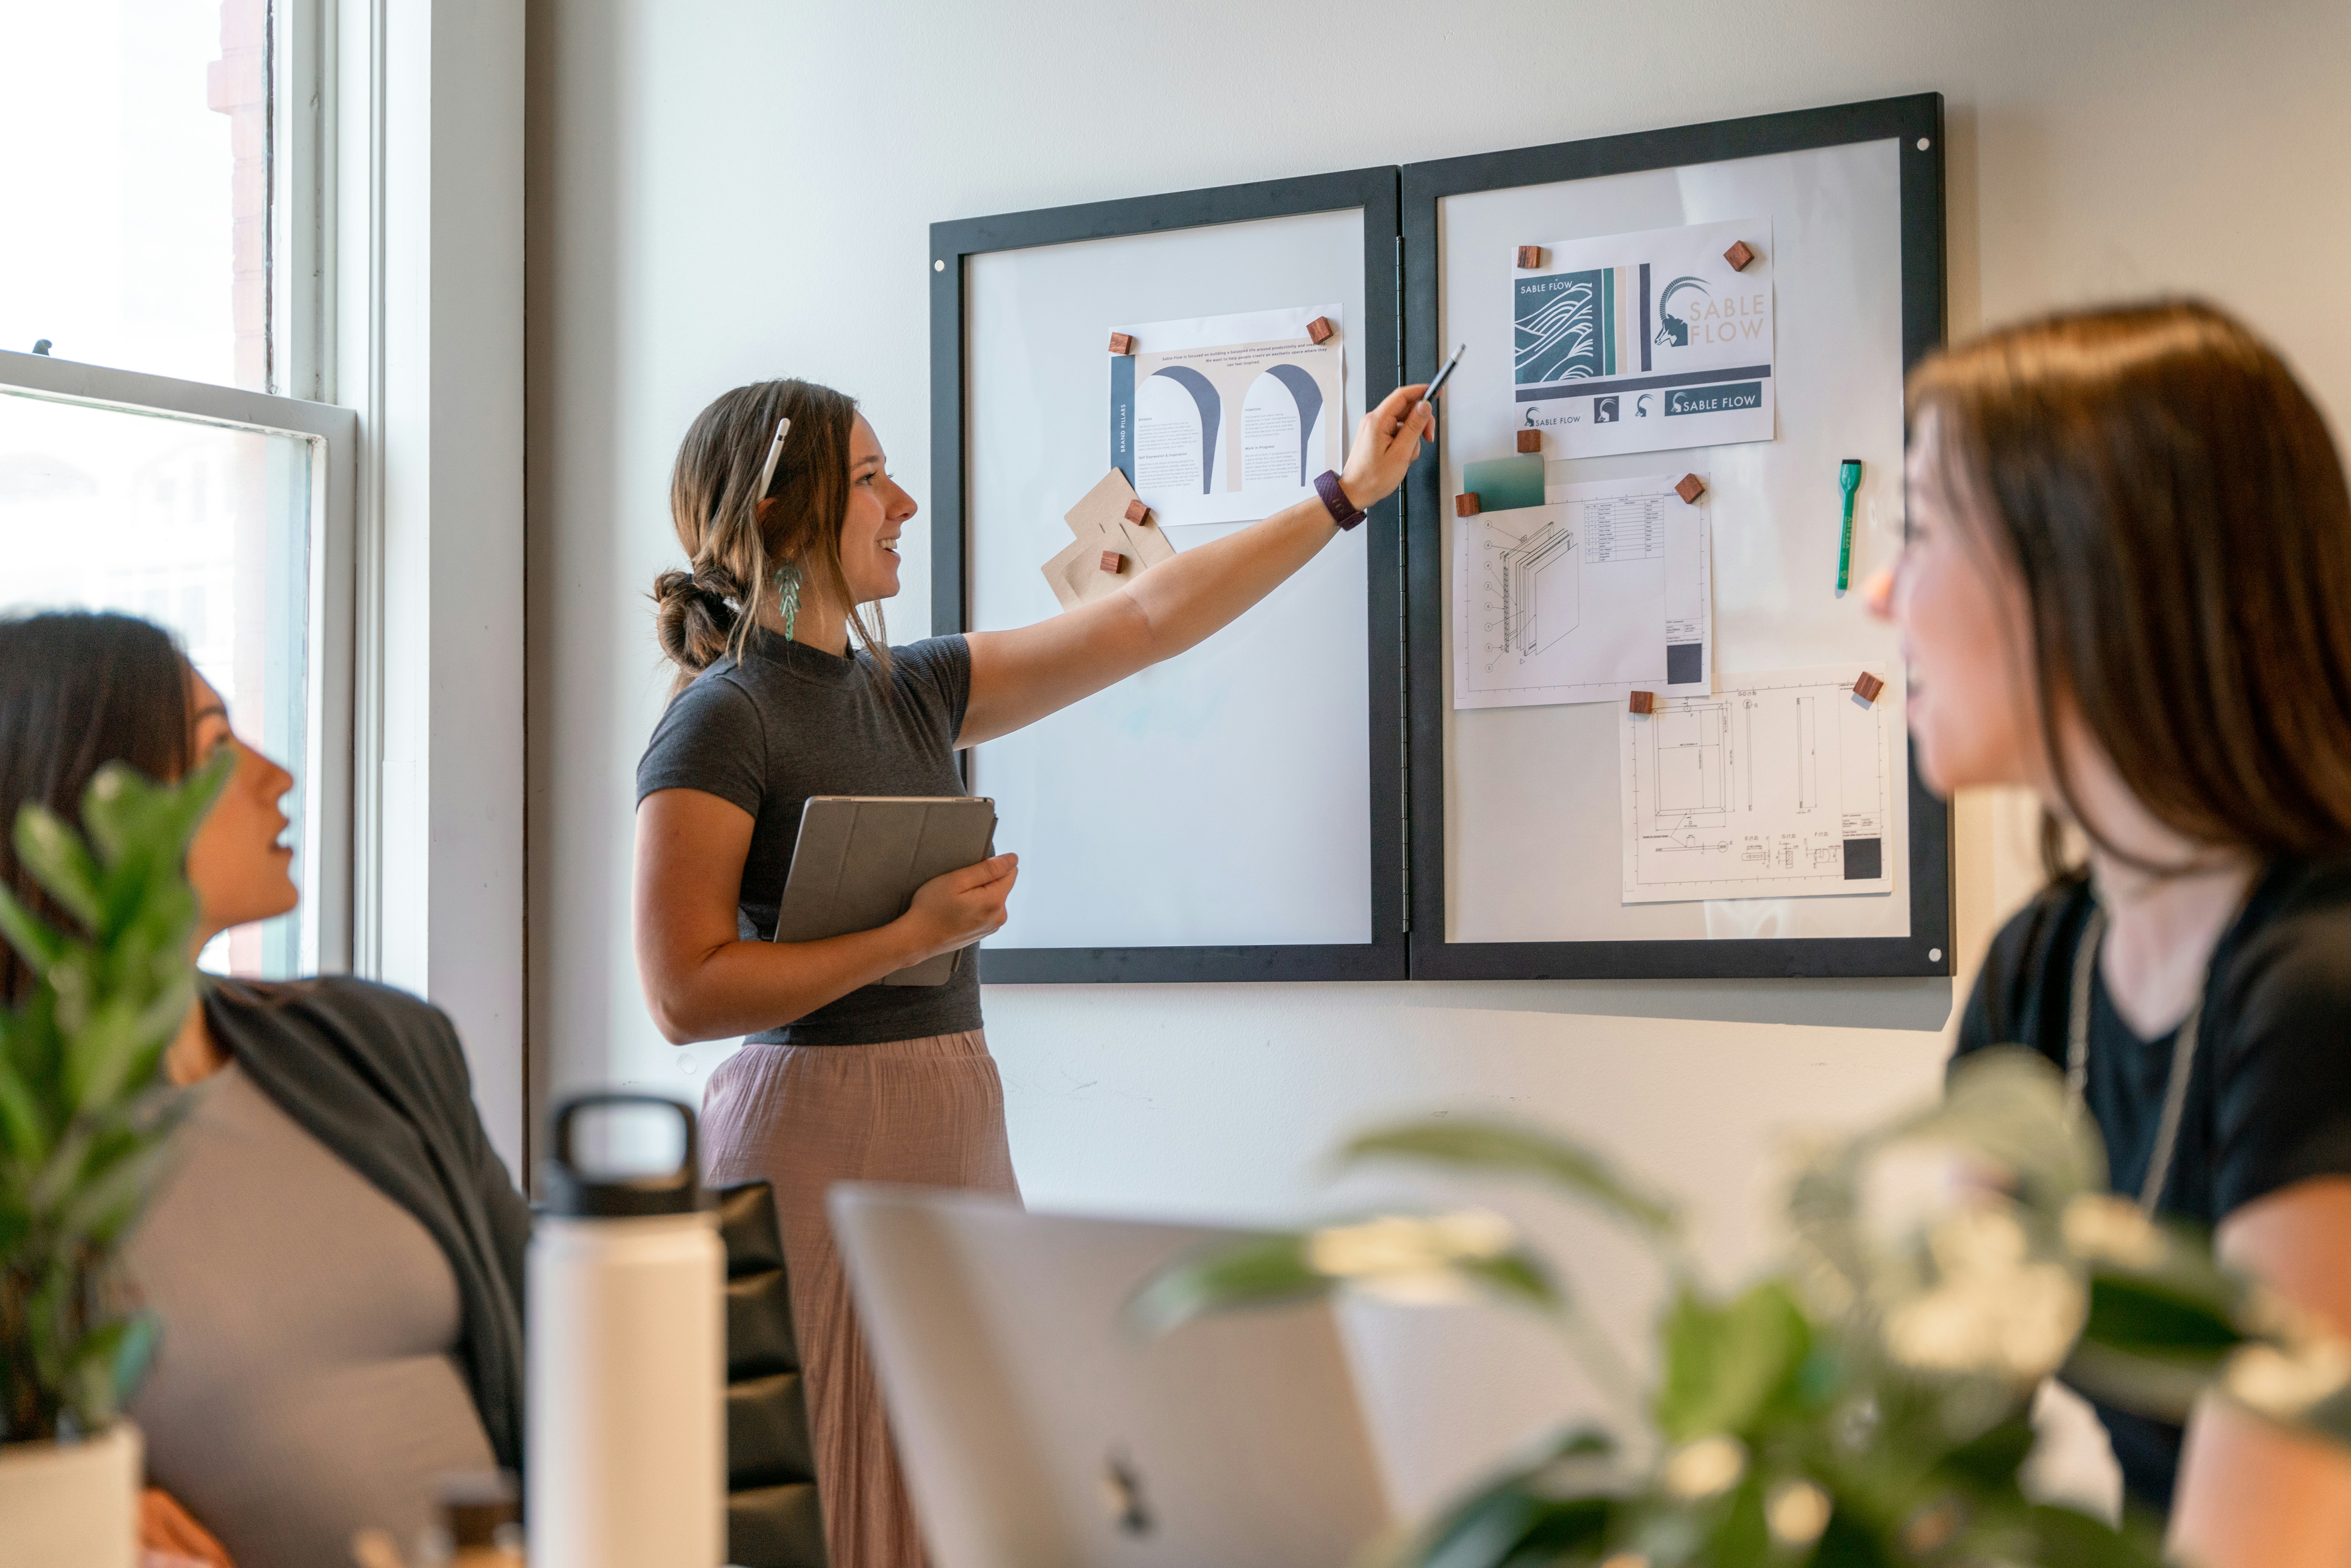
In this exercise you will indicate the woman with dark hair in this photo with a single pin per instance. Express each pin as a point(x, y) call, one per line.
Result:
point(336, 1256)
point(2127, 586)
point(791, 543)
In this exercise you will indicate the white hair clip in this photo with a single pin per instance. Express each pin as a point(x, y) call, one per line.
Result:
point(775, 451)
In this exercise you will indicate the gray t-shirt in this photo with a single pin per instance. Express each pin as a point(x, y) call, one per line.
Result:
point(792, 721)
point(306, 1385)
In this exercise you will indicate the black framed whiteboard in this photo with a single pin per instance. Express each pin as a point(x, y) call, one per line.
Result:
point(1237, 812)
point(1533, 824)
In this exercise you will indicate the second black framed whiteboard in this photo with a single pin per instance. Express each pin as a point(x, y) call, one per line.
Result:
point(1237, 812)
point(1522, 830)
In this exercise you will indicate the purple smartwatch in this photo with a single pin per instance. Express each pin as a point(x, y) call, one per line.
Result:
point(1343, 512)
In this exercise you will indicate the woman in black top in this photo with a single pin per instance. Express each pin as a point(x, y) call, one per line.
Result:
point(844, 1079)
point(335, 1255)
point(2127, 586)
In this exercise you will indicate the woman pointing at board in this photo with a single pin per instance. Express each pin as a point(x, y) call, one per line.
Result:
point(792, 546)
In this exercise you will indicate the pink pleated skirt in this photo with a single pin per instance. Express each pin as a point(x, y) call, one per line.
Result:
point(927, 1113)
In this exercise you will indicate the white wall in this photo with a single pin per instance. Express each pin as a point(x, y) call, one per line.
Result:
point(723, 192)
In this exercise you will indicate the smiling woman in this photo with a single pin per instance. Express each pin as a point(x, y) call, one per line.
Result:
point(844, 1079)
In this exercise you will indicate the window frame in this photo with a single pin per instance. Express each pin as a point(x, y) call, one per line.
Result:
point(333, 432)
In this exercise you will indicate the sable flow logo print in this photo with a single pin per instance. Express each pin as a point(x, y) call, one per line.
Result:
point(1648, 342)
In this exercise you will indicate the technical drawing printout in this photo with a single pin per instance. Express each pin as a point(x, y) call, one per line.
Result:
point(1228, 419)
point(1780, 785)
point(1602, 589)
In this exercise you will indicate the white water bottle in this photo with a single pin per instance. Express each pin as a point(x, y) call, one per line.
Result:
point(625, 1454)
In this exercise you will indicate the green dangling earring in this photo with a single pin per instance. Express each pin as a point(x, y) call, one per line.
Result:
point(787, 597)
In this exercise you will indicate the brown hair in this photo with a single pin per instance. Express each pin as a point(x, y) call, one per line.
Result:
point(77, 691)
point(2172, 500)
point(737, 541)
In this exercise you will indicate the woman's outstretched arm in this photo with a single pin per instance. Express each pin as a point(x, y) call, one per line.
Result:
point(1018, 677)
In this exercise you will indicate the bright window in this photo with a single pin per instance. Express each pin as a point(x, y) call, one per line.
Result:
point(204, 529)
point(143, 465)
point(137, 185)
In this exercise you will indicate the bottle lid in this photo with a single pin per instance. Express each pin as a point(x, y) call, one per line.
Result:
point(572, 1192)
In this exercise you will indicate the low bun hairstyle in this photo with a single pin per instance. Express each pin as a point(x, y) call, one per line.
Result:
point(735, 540)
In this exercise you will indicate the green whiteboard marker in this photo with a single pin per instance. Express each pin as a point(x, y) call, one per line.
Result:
point(1849, 481)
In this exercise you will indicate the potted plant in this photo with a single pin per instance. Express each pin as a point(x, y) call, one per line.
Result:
point(85, 1110)
point(1866, 1403)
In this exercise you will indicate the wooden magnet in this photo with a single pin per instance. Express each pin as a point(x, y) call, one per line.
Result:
point(1739, 254)
point(1121, 344)
point(1690, 488)
point(1136, 512)
point(1531, 440)
point(1866, 686)
point(1530, 257)
point(1642, 701)
point(1111, 561)
point(1320, 329)
point(1465, 505)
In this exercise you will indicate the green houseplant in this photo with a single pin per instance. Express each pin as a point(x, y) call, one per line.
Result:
point(85, 1112)
point(1866, 1402)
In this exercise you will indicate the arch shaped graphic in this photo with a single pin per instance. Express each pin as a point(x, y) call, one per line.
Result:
point(1204, 394)
point(1309, 404)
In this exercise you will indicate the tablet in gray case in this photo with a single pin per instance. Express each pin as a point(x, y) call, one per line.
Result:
point(859, 859)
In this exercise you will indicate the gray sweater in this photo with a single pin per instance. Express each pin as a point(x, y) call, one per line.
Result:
point(307, 1384)
point(378, 1077)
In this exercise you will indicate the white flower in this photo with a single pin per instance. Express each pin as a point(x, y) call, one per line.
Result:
point(1704, 1468)
point(1797, 1513)
point(1409, 1261)
point(1992, 1309)
point(2108, 1229)
point(2284, 1384)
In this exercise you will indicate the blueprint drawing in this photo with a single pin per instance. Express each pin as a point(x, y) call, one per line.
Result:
point(1602, 589)
point(1780, 785)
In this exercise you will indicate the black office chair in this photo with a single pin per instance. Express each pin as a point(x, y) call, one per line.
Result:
point(773, 1520)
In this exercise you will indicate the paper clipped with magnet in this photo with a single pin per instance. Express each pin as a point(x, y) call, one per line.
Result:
point(1226, 419)
point(1602, 589)
point(1648, 342)
point(1781, 785)
point(1100, 526)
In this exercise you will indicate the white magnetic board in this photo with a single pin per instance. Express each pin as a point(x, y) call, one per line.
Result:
point(1532, 842)
point(1221, 799)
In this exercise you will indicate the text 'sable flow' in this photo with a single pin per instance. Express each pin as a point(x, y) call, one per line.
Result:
point(1646, 342)
point(1602, 589)
point(1781, 785)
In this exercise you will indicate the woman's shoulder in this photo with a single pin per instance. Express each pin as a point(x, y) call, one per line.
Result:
point(712, 738)
point(2028, 955)
point(388, 1025)
point(937, 671)
point(2291, 965)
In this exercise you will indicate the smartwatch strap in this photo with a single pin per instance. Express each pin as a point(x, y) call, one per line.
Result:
point(1343, 512)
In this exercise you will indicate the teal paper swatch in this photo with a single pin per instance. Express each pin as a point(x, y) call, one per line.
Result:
point(1506, 484)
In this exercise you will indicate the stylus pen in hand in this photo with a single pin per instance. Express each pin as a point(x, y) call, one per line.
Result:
point(1430, 395)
